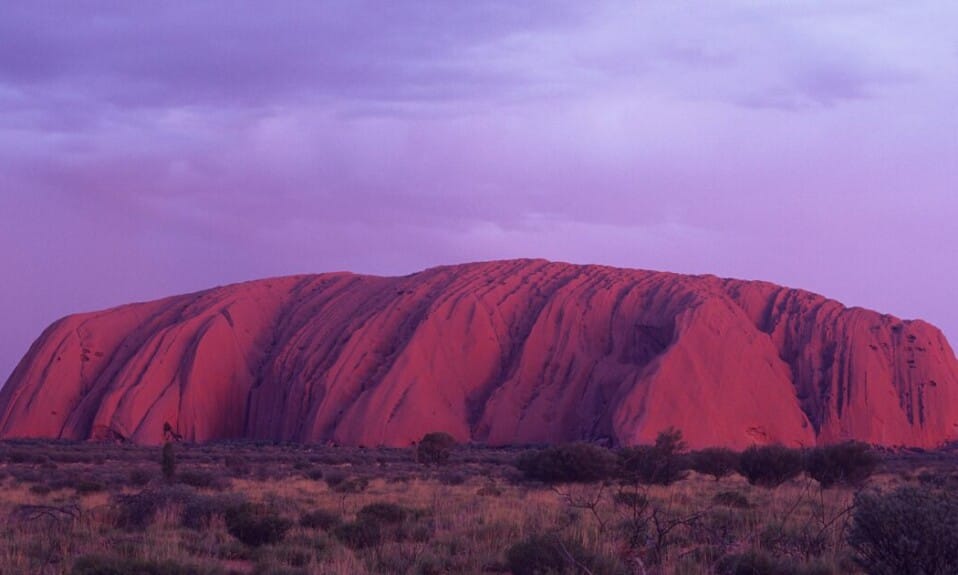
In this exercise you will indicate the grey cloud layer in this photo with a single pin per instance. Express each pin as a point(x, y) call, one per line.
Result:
point(156, 147)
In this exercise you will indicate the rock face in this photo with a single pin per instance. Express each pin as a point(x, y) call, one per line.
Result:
point(503, 352)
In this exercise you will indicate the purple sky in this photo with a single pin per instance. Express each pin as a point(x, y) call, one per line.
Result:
point(148, 149)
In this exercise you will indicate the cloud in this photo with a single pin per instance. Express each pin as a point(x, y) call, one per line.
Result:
point(380, 57)
point(165, 147)
point(224, 53)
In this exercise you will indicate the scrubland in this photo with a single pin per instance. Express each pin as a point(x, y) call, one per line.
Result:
point(86, 508)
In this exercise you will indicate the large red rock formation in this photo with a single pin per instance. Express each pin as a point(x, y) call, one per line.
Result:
point(501, 352)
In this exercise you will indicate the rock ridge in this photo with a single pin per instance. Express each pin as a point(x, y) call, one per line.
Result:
point(505, 352)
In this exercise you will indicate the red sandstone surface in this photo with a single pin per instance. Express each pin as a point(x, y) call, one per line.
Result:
point(502, 352)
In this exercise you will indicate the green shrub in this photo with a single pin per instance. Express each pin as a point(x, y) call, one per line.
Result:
point(761, 563)
point(88, 486)
point(452, 478)
point(569, 463)
point(630, 499)
point(550, 555)
point(339, 482)
point(770, 465)
point(395, 522)
point(334, 478)
point(22, 457)
point(848, 463)
point(256, 526)
point(352, 485)
point(718, 462)
point(383, 513)
point(435, 448)
point(100, 565)
point(731, 499)
point(237, 465)
point(202, 479)
point(168, 461)
point(32, 476)
point(137, 510)
point(909, 531)
point(358, 534)
point(198, 510)
point(139, 477)
point(40, 489)
point(752, 563)
point(490, 490)
point(270, 568)
point(537, 555)
point(319, 519)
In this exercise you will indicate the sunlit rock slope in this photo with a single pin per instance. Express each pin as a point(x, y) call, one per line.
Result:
point(506, 352)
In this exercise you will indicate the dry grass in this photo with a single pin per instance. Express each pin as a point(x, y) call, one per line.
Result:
point(455, 526)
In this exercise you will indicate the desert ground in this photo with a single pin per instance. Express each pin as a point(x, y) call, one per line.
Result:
point(99, 508)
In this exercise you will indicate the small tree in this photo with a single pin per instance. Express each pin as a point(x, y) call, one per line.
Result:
point(435, 448)
point(660, 464)
point(770, 465)
point(718, 462)
point(168, 462)
point(848, 463)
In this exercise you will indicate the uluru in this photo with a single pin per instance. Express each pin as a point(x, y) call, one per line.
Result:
point(505, 352)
